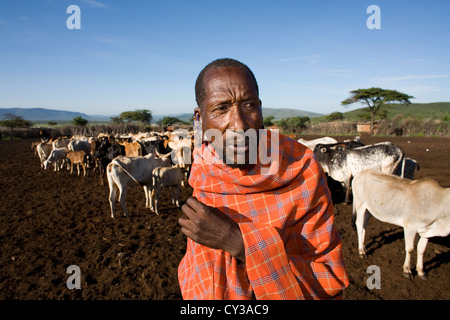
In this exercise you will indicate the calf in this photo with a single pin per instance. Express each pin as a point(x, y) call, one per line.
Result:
point(341, 164)
point(420, 206)
point(124, 170)
point(79, 158)
point(166, 177)
point(55, 157)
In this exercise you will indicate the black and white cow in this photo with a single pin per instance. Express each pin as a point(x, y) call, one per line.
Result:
point(342, 164)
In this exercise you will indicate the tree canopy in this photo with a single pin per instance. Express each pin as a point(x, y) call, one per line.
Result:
point(12, 121)
point(376, 99)
point(143, 116)
point(79, 121)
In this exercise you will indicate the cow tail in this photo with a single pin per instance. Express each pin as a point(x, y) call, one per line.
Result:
point(354, 216)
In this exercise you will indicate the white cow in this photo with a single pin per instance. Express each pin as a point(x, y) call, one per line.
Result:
point(61, 143)
point(420, 206)
point(124, 170)
point(182, 152)
point(311, 144)
point(43, 150)
point(80, 145)
point(57, 157)
point(164, 177)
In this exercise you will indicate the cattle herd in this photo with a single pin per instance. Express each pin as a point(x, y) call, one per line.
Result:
point(378, 179)
point(126, 159)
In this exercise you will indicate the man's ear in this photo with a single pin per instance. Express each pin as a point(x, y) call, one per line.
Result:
point(197, 113)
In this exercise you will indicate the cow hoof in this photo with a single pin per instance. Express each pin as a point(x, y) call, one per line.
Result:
point(423, 277)
point(407, 275)
point(363, 255)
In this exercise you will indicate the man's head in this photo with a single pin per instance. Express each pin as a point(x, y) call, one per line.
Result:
point(228, 101)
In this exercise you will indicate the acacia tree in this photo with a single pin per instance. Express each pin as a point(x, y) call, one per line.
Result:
point(376, 99)
point(13, 121)
point(143, 116)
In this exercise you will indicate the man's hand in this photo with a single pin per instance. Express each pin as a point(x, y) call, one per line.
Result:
point(211, 228)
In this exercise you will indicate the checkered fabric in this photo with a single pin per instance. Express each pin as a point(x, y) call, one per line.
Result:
point(285, 214)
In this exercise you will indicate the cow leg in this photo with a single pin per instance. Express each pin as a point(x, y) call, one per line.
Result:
point(362, 218)
point(177, 195)
point(156, 198)
point(421, 246)
point(100, 169)
point(146, 196)
point(112, 194)
point(409, 248)
point(84, 169)
point(347, 191)
point(122, 196)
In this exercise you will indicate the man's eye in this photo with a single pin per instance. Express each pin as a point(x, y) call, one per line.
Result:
point(250, 105)
point(220, 108)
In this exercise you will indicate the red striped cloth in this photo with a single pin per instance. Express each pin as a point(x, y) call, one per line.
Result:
point(285, 214)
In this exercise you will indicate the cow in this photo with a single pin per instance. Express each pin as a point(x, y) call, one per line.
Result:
point(124, 170)
point(341, 164)
point(408, 169)
point(164, 177)
point(133, 149)
point(80, 145)
point(43, 150)
point(156, 144)
point(34, 145)
point(61, 143)
point(419, 206)
point(105, 153)
point(311, 144)
point(79, 158)
point(56, 156)
point(182, 152)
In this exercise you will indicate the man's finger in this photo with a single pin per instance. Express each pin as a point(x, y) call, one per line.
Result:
point(189, 211)
point(195, 204)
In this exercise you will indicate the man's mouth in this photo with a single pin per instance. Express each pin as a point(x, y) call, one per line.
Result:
point(239, 148)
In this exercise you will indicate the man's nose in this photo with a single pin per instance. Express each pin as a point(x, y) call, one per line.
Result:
point(238, 119)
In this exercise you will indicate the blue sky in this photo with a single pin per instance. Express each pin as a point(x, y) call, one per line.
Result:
point(139, 54)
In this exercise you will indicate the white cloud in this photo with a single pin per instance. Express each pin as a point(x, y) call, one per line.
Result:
point(95, 4)
point(410, 78)
point(311, 58)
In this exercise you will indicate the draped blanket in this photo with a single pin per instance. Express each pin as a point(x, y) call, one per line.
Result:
point(284, 211)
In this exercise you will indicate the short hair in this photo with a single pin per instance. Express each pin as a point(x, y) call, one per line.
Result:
point(200, 93)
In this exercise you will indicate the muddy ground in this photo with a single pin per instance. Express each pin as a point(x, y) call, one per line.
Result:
point(51, 220)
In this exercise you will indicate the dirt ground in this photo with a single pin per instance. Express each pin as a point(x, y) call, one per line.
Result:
point(51, 220)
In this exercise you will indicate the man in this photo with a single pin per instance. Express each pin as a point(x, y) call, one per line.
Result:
point(255, 230)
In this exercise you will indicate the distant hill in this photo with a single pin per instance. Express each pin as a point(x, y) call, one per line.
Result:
point(434, 110)
point(43, 114)
point(287, 113)
point(277, 113)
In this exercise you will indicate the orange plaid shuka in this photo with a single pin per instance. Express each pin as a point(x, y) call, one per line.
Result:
point(285, 214)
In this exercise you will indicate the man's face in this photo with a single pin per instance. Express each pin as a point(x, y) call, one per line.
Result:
point(231, 105)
